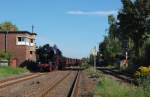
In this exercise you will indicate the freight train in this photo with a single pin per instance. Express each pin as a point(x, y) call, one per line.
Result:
point(50, 58)
point(59, 64)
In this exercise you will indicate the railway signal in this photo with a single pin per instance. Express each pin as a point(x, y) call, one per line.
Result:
point(94, 53)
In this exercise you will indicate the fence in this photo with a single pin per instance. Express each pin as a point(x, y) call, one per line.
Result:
point(4, 62)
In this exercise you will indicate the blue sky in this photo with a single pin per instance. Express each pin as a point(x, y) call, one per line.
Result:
point(75, 26)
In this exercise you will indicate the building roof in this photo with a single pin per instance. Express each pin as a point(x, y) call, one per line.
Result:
point(19, 32)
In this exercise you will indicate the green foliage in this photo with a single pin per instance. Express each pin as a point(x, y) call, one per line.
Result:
point(129, 32)
point(112, 33)
point(8, 26)
point(143, 75)
point(145, 53)
point(5, 56)
point(111, 46)
point(109, 87)
point(85, 65)
point(8, 71)
point(134, 23)
point(111, 49)
point(93, 73)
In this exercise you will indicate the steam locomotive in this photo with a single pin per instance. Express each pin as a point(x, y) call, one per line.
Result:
point(50, 58)
point(59, 64)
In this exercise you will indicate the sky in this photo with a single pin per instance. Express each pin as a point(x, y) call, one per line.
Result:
point(75, 26)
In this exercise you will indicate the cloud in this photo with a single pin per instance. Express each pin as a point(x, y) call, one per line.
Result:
point(96, 13)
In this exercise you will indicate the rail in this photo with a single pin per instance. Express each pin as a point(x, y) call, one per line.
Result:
point(74, 88)
point(51, 88)
point(14, 80)
point(122, 77)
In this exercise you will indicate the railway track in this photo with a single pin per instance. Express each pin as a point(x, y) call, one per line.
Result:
point(35, 87)
point(64, 83)
point(68, 83)
point(47, 84)
point(44, 94)
point(118, 75)
point(74, 88)
point(10, 81)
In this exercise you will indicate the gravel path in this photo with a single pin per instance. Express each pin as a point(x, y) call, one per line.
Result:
point(32, 87)
point(86, 85)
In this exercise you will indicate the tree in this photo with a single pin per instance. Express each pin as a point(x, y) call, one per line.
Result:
point(110, 48)
point(112, 27)
point(145, 53)
point(5, 56)
point(8, 26)
point(134, 23)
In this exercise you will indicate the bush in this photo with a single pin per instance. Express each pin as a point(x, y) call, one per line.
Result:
point(111, 88)
point(85, 65)
point(30, 65)
point(5, 56)
point(94, 73)
point(112, 49)
point(8, 71)
point(143, 76)
point(145, 53)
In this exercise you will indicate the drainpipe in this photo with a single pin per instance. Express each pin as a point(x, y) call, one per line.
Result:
point(6, 41)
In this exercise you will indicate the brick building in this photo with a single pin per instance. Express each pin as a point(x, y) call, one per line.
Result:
point(20, 44)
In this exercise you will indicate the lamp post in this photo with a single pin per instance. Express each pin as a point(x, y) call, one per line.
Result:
point(94, 53)
point(6, 32)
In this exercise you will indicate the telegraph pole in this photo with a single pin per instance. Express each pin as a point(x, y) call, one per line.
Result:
point(6, 32)
point(94, 52)
point(32, 29)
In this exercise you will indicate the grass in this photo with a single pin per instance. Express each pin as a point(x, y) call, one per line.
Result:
point(111, 88)
point(91, 72)
point(8, 71)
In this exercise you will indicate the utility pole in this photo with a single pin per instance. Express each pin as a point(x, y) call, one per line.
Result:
point(6, 32)
point(32, 29)
point(94, 52)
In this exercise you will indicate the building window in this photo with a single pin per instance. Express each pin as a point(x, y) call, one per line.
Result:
point(32, 41)
point(21, 41)
point(31, 52)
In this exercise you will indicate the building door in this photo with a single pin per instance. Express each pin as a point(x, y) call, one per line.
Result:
point(13, 63)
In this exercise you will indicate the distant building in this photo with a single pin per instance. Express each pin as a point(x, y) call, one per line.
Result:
point(20, 44)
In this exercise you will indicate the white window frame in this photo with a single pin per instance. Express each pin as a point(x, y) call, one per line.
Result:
point(24, 40)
